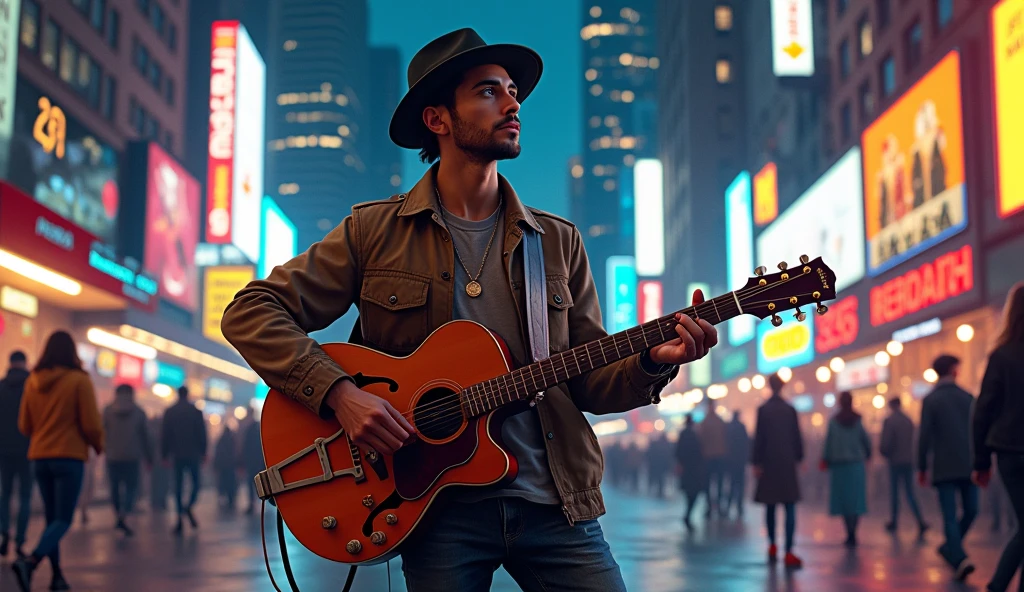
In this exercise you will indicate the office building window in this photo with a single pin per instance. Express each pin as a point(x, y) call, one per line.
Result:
point(866, 101)
point(156, 16)
point(844, 59)
point(883, 13)
point(168, 141)
point(51, 38)
point(156, 75)
point(68, 60)
point(846, 122)
point(943, 13)
point(143, 6)
point(841, 6)
point(97, 14)
point(138, 117)
point(912, 42)
point(172, 36)
point(81, 5)
point(141, 58)
point(30, 25)
point(726, 123)
point(866, 37)
point(723, 71)
point(109, 98)
point(152, 127)
point(113, 28)
point(887, 72)
point(90, 85)
point(723, 17)
point(169, 91)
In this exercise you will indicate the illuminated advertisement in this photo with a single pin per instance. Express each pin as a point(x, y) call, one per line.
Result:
point(172, 228)
point(948, 276)
point(914, 190)
point(220, 284)
point(649, 300)
point(766, 194)
point(1008, 67)
point(792, 38)
point(157, 372)
point(8, 74)
point(649, 214)
point(789, 346)
point(826, 221)
point(739, 250)
point(280, 240)
point(699, 370)
point(861, 373)
point(235, 158)
point(621, 294)
point(733, 364)
point(63, 166)
point(839, 327)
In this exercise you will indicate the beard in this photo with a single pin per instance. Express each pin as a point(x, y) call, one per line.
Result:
point(480, 144)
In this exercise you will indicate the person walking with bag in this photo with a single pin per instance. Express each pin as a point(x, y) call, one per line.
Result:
point(847, 448)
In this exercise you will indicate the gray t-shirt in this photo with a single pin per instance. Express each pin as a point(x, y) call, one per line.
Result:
point(495, 308)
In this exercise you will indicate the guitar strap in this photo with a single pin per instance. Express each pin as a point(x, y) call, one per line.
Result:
point(536, 295)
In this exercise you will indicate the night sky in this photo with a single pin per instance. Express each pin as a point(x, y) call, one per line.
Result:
point(551, 115)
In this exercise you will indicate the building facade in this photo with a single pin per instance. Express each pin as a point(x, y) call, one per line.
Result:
point(384, 165)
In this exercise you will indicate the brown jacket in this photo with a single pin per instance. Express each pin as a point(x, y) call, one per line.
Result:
point(59, 415)
point(394, 260)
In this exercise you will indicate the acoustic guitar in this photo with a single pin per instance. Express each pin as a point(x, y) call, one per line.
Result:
point(357, 506)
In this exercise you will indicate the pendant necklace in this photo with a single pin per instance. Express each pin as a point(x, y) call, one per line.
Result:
point(473, 288)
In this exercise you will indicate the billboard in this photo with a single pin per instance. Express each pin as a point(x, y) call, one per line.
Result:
point(172, 228)
point(235, 157)
point(699, 370)
point(649, 296)
point(766, 194)
point(62, 165)
point(947, 276)
point(279, 241)
point(649, 217)
point(8, 74)
point(826, 221)
point(789, 345)
point(792, 38)
point(1008, 69)
point(914, 190)
point(739, 250)
point(220, 284)
point(621, 294)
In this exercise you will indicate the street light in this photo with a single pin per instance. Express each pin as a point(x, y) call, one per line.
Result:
point(823, 374)
point(744, 385)
point(882, 358)
point(785, 374)
point(894, 348)
point(965, 333)
point(931, 375)
point(757, 382)
point(878, 402)
point(837, 364)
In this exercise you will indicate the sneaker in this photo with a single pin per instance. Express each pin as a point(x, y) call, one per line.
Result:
point(123, 527)
point(793, 562)
point(965, 569)
point(773, 553)
point(23, 569)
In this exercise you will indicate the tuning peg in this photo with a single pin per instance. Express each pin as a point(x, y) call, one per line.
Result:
point(783, 266)
point(804, 259)
point(799, 315)
point(761, 269)
point(822, 309)
point(776, 320)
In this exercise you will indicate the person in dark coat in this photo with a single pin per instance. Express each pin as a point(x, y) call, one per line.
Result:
point(14, 463)
point(127, 447)
point(225, 462)
point(897, 446)
point(184, 439)
point(252, 457)
point(659, 464)
point(998, 417)
point(739, 451)
point(847, 449)
point(946, 438)
point(693, 475)
point(778, 450)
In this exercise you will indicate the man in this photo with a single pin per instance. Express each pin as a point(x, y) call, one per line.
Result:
point(659, 464)
point(776, 454)
point(183, 438)
point(14, 463)
point(739, 452)
point(946, 436)
point(127, 446)
point(714, 444)
point(897, 446)
point(451, 248)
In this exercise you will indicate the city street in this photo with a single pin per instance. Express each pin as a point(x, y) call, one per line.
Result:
point(646, 535)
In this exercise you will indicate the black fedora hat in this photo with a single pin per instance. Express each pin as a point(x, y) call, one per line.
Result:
point(440, 60)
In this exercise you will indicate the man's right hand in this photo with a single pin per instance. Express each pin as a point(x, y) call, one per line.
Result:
point(369, 421)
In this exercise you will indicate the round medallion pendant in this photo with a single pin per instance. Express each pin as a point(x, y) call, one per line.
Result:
point(473, 289)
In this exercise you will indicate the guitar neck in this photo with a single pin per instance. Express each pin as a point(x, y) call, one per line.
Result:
point(527, 381)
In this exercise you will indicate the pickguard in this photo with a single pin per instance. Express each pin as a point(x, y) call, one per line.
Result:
point(419, 465)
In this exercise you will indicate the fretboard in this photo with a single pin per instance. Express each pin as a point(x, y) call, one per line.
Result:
point(527, 381)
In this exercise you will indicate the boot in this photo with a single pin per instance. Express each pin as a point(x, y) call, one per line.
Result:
point(58, 582)
point(23, 569)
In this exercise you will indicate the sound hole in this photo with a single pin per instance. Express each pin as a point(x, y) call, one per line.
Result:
point(438, 414)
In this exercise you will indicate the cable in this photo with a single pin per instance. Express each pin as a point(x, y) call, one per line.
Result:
point(284, 555)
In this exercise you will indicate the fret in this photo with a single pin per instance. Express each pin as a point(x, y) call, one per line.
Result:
point(565, 368)
point(515, 385)
point(644, 335)
point(578, 369)
point(551, 363)
point(471, 399)
point(714, 304)
point(503, 390)
point(600, 345)
point(492, 393)
point(533, 377)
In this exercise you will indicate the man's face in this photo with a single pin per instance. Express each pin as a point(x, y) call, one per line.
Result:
point(485, 121)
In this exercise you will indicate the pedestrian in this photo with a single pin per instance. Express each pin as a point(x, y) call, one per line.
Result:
point(714, 444)
point(776, 454)
point(225, 463)
point(946, 438)
point(14, 463)
point(997, 422)
point(659, 464)
point(634, 460)
point(59, 415)
point(739, 452)
point(847, 448)
point(252, 458)
point(160, 474)
point(127, 447)
point(693, 476)
point(897, 446)
point(183, 438)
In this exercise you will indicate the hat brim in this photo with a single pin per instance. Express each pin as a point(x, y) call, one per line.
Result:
point(523, 65)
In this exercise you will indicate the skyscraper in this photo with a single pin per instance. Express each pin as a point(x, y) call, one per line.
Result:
point(385, 160)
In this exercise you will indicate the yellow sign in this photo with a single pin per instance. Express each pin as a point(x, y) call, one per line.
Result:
point(220, 284)
point(1008, 61)
point(51, 128)
point(783, 343)
point(766, 195)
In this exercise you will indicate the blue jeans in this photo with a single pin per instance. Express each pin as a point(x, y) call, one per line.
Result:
point(1011, 469)
point(181, 466)
point(902, 475)
point(953, 549)
point(466, 543)
point(123, 474)
point(60, 482)
point(769, 522)
point(11, 468)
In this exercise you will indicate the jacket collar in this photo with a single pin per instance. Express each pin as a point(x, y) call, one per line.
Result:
point(422, 198)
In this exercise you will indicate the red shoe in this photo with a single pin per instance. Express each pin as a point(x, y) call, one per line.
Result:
point(773, 553)
point(793, 562)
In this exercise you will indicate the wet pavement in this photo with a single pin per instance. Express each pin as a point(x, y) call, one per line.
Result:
point(646, 536)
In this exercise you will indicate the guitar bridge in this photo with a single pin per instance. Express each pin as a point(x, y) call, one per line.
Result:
point(270, 483)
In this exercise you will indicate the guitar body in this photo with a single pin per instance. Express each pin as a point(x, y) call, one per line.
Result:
point(362, 518)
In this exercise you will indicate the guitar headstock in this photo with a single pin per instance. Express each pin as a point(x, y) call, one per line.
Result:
point(768, 294)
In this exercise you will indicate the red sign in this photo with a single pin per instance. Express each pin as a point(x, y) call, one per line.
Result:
point(649, 298)
point(221, 157)
point(837, 328)
point(172, 230)
point(129, 370)
point(948, 276)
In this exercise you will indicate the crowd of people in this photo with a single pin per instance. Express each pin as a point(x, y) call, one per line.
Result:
point(52, 434)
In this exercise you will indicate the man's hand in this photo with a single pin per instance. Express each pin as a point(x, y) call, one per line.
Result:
point(922, 478)
point(696, 338)
point(982, 478)
point(370, 421)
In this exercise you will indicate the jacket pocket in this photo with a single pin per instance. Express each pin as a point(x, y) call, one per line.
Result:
point(393, 310)
point(559, 303)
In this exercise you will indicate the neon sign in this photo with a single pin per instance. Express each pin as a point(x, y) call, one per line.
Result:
point(839, 327)
point(950, 275)
point(51, 128)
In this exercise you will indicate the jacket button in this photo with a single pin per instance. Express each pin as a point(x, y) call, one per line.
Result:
point(308, 391)
point(446, 276)
point(393, 299)
point(558, 299)
point(551, 435)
